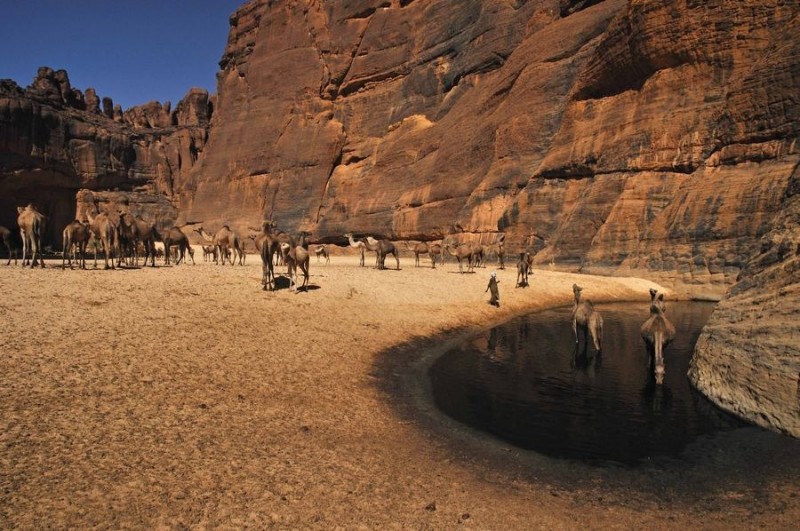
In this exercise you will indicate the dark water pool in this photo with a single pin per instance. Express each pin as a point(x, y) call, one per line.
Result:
point(526, 383)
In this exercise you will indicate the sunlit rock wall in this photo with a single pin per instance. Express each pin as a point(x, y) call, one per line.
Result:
point(648, 137)
point(54, 140)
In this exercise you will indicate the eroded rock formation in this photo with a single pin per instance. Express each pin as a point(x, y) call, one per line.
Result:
point(650, 137)
point(748, 358)
point(55, 140)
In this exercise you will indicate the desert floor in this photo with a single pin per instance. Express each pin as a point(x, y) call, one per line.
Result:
point(187, 397)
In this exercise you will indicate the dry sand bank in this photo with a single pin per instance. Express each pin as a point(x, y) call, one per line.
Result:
point(186, 396)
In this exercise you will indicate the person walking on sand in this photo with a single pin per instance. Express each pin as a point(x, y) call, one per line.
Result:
point(495, 300)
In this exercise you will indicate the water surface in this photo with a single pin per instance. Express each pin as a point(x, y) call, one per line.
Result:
point(527, 383)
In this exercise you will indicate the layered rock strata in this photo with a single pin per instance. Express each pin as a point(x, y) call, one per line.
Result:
point(748, 358)
point(653, 138)
point(55, 140)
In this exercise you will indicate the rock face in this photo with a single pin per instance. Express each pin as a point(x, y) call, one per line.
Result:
point(748, 358)
point(54, 140)
point(651, 137)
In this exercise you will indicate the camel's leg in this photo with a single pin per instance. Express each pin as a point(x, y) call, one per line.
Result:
point(397, 259)
point(24, 237)
point(575, 328)
point(658, 344)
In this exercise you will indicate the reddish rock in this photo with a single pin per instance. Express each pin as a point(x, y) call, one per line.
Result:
point(49, 149)
point(747, 359)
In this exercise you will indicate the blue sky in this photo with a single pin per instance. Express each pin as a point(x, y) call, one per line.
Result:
point(133, 51)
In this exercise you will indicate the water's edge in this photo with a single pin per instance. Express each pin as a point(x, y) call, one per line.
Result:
point(401, 374)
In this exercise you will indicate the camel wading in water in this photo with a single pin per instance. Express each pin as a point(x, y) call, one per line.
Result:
point(31, 228)
point(587, 319)
point(75, 238)
point(7, 237)
point(657, 332)
point(357, 245)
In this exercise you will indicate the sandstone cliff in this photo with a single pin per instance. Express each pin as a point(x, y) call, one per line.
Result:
point(748, 358)
point(653, 137)
point(55, 140)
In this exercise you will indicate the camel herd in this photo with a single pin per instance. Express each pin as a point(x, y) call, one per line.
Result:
point(122, 236)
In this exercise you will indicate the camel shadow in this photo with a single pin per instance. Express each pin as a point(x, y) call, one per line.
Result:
point(282, 282)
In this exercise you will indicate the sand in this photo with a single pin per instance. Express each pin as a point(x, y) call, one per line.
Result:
point(187, 397)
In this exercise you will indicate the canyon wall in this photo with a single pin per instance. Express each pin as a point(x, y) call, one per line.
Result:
point(647, 138)
point(56, 140)
point(747, 359)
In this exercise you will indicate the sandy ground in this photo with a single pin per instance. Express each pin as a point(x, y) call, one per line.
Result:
point(187, 397)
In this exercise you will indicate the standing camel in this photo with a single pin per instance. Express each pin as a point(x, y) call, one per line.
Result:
point(105, 231)
point(7, 237)
point(358, 245)
point(382, 248)
point(174, 236)
point(75, 234)
point(371, 244)
point(322, 252)
point(523, 269)
point(297, 256)
point(418, 249)
point(31, 228)
point(463, 252)
point(585, 317)
point(657, 333)
point(222, 240)
point(267, 245)
point(435, 251)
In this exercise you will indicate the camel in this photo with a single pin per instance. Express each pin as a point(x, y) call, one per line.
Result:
point(223, 239)
point(371, 244)
point(105, 231)
point(76, 237)
point(7, 237)
point(136, 230)
point(358, 245)
point(382, 248)
point(267, 245)
point(174, 236)
point(322, 251)
point(585, 317)
point(523, 269)
point(297, 256)
point(209, 253)
point(657, 333)
point(421, 248)
point(31, 228)
point(497, 249)
point(464, 251)
point(435, 250)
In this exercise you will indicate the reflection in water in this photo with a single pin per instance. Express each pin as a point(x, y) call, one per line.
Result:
point(527, 383)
